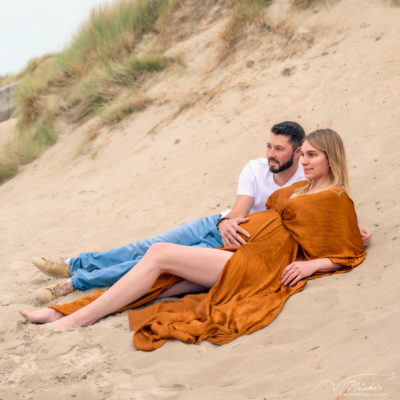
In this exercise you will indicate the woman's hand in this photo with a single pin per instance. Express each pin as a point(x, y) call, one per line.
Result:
point(298, 270)
point(230, 229)
point(302, 269)
point(366, 236)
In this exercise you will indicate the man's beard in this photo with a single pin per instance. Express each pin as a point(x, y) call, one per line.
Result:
point(280, 167)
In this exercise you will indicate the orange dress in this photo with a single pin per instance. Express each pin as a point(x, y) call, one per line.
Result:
point(249, 293)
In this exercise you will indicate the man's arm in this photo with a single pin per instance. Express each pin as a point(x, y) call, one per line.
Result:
point(230, 227)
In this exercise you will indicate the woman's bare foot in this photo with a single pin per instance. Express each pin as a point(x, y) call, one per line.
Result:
point(42, 316)
point(66, 324)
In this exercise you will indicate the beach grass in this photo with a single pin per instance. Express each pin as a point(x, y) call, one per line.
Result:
point(105, 70)
point(122, 107)
point(26, 146)
point(305, 4)
point(105, 83)
point(244, 12)
point(8, 169)
point(112, 32)
point(86, 78)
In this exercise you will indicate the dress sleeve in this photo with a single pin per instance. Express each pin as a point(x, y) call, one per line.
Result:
point(325, 225)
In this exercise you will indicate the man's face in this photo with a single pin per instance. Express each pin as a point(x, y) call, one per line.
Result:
point(280, 153)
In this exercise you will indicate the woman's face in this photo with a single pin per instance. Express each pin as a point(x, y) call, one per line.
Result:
point(314, 162)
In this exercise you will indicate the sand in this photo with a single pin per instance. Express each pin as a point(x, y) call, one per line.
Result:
point(179, 160)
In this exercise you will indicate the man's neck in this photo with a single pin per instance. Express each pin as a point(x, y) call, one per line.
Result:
point(281, 178)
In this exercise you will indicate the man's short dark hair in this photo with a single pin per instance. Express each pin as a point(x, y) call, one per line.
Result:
point(291, 129)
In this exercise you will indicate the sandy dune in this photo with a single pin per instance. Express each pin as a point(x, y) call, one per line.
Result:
point(162, 167)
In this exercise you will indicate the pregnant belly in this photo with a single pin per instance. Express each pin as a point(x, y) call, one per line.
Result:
point(261, 224)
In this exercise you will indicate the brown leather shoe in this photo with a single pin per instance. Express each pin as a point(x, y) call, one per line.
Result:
point(59, 289)
point(53, 268)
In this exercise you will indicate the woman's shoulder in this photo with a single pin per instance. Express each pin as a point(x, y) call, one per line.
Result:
point(336, 192)
point(334, 197)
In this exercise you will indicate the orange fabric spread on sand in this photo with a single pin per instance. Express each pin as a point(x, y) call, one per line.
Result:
point(249, 293)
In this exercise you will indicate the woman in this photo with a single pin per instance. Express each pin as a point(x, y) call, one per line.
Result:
point(314, 221)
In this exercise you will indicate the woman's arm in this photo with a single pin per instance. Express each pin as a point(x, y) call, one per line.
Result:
point(302, 269)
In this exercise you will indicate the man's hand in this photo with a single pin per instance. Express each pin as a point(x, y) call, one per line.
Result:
point(298, 270)
point(230, 229)
point(366, 236)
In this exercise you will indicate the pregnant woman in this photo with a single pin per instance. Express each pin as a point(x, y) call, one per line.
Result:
point(309, 229)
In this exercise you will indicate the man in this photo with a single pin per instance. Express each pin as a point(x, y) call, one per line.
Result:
point(258, 180)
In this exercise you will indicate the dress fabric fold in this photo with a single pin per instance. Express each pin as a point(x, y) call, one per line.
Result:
point(249, 293)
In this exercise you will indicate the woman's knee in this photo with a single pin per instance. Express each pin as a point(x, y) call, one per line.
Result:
point(163, 255)
point(159, 251)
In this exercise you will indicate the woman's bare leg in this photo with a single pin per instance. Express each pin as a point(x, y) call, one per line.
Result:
point(198, 265)
point(182, 287)
point(46, 315)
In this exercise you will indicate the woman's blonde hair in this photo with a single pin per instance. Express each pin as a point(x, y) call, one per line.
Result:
point(331, 144)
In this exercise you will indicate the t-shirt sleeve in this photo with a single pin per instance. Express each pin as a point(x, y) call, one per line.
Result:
point(247, 181)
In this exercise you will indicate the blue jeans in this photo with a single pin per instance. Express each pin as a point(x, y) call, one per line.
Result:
point(91, 270)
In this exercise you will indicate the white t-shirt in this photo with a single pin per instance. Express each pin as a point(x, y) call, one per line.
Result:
point(257, 181)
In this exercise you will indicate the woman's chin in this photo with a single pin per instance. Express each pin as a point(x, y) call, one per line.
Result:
point(308, 175)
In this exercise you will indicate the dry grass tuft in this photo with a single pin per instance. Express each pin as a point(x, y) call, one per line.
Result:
point(244, 13)
point(291, 40)
point(103, 85)
point(188, 17)
point(305, 4)
point(8, 169)
point(122, 107)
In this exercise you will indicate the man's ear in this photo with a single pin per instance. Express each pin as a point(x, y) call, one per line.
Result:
point(298, 152)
